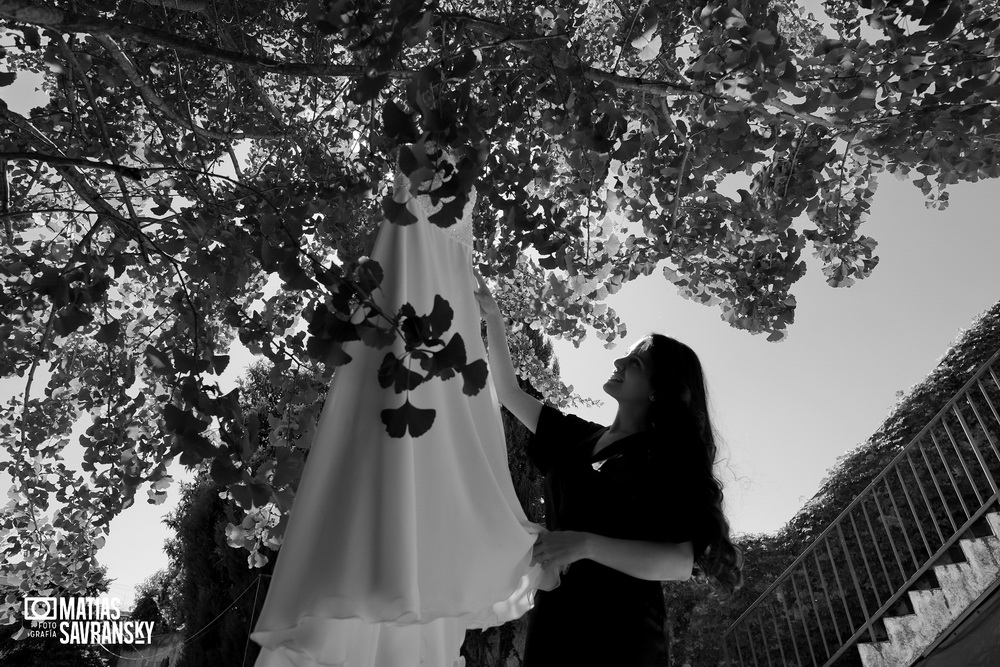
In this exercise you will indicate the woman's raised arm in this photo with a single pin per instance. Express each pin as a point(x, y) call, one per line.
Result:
point(522, 405)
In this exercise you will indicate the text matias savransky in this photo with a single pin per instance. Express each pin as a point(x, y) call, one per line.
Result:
point(84, 620)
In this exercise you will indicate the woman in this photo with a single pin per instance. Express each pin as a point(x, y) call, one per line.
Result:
point(627, 506)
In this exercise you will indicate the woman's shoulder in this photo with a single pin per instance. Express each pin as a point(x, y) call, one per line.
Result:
point(555, 418)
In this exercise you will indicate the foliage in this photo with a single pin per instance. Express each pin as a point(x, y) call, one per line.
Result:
point(212, 169)
point(212, 576)
point(696, 618)
point(156, 600)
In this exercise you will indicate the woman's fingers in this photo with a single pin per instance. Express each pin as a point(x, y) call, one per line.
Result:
point(487, 304)
point(483, 287)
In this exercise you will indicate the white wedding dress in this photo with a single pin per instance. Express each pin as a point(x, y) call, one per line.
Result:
point(396, 546)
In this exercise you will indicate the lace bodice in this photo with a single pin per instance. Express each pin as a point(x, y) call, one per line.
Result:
point(422, 207)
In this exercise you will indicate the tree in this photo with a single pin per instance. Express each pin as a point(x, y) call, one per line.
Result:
point(157, 598)
point(194, 155)
point(212, 599)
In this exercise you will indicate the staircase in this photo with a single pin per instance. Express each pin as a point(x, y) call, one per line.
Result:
point(904, 563)
point(961, 586)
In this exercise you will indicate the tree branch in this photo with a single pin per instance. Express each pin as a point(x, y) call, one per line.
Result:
point(155, 101)
point(34, 13)
point(26, 11)
point(808, 117)
point(134, 173)
point(193, 6)
point(638, 84)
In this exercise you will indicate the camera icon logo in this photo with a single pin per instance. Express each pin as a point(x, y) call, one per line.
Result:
point(39, 609)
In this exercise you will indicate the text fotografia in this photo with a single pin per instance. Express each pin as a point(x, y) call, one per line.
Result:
point(84, 620)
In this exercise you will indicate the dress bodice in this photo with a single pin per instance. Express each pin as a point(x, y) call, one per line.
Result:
point(422, 207)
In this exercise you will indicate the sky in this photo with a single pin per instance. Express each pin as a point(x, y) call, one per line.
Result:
point(785, 411)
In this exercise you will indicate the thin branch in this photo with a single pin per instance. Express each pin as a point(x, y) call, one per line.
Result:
point(640, 85)
point(134, 173)
point(795, 157)
point(628, 33)
point(5, 202)
point(808, 117)
point(840, 184)
point(687, 152)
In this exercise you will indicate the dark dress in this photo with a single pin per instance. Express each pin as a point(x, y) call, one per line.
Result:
point(632, 489)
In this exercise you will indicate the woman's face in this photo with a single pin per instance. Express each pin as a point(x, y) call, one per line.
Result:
point(632, 380)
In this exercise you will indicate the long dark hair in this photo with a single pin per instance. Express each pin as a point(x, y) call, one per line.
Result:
point(680, 413)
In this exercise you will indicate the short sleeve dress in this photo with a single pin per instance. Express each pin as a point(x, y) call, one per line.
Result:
point(633, 489)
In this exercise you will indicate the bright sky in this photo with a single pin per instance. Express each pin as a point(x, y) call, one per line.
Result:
point(786, 410)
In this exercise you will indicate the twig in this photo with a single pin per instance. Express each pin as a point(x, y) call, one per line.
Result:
point(675, 208)
point(5, 202)
point(628, 33)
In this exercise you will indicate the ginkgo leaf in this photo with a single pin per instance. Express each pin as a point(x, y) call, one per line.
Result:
point(224, 472)
point(407, 418)
point(394, 372)
point(108, 333)
point(396, 212)
point(474, 377)
point(182, 422)
point(397, 123)
point(70, 319)
point(446, 361)
point(159, 361)
point(648, 49)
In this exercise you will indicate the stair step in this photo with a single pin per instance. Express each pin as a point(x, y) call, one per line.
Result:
point(993, 518)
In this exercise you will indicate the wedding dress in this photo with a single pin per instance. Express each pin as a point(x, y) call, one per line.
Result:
point(396, 546)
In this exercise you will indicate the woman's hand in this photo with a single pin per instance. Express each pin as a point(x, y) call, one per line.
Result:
point(487, 304)
point(558, 548)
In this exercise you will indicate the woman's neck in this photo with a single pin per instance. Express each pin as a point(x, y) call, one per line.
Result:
point(630, 419)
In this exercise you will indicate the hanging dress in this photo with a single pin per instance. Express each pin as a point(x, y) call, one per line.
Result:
point(396, 546)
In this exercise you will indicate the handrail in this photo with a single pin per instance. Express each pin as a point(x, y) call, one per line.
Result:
point(895, 512)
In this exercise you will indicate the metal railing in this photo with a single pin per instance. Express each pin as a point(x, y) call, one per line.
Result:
point(930, 495)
